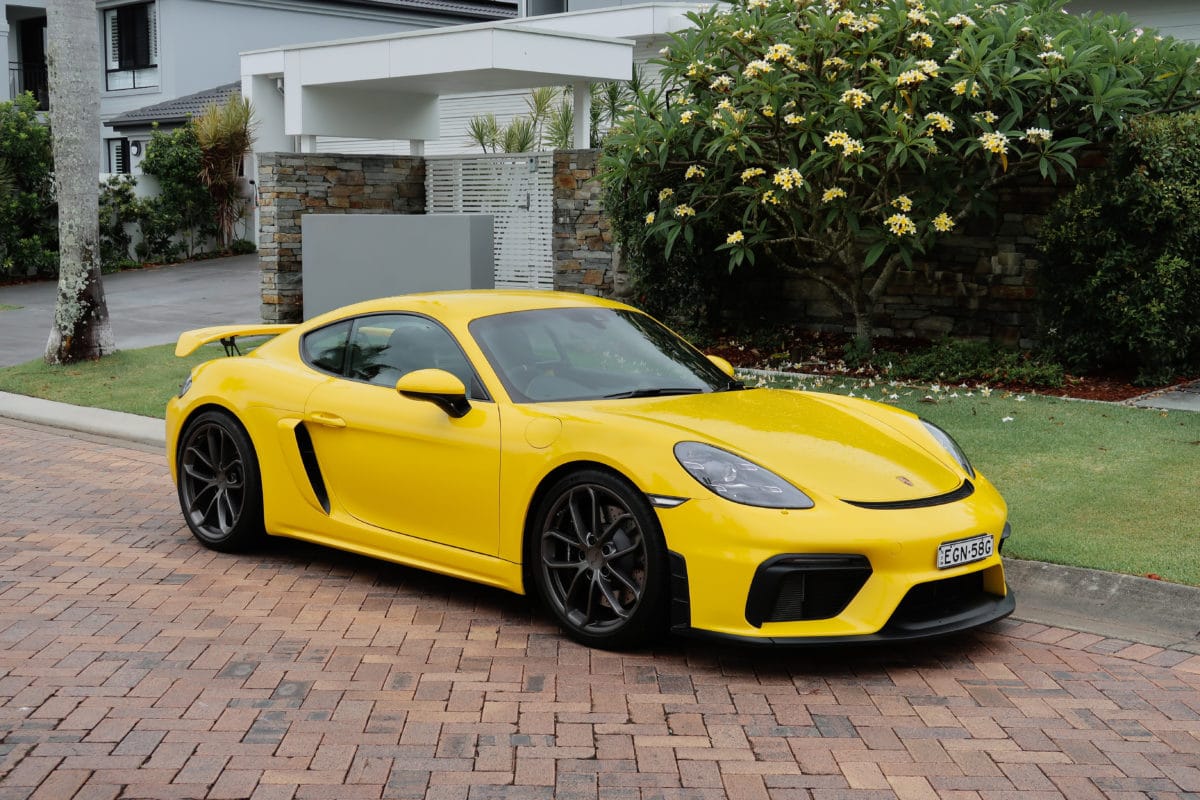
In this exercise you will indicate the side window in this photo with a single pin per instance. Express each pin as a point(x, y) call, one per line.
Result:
point(386, 347)
point(325, 348)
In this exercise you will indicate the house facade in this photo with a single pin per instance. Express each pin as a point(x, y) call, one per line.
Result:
point(154, 51)
point(1177, 18)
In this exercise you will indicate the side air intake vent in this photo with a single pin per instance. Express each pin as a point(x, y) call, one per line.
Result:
point(311, 468)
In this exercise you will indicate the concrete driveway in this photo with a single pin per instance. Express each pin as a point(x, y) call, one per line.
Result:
point(147, 307)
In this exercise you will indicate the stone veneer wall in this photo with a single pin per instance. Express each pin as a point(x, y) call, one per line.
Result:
point(585, 259)
point(981, 283)
point(291, 185)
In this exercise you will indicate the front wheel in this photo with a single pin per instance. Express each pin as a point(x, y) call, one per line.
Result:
point(220, 490)
point(599, 561)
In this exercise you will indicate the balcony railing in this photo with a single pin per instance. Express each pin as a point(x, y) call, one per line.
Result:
point(29, 76)
point(116, 79)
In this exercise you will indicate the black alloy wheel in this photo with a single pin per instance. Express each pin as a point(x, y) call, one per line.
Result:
point(599, 561)
point(220, 489)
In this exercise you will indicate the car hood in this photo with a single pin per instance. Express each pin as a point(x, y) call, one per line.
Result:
point(845, 448)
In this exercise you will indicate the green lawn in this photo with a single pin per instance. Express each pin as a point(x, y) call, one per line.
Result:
point(137, 381)
point(1088, 484)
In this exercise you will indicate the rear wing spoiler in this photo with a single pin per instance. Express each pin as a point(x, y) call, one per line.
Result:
point(190, 341)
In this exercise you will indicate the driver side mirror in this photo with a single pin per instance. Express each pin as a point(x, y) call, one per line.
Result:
point(437, 386)
point(722, 365)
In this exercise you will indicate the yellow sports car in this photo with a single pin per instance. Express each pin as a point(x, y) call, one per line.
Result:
point(575, 449)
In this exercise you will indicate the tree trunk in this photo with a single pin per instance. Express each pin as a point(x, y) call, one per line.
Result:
point(81, 325)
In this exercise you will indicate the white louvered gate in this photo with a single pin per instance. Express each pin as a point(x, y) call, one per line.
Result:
point(517, 189)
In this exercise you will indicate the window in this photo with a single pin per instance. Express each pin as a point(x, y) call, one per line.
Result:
point(131, 46)
point(118, 156)
point(384, 347)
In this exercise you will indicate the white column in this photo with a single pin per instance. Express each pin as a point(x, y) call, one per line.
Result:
point(583, 115)
point(6, 85)
point(416, 147)
point(308, 143)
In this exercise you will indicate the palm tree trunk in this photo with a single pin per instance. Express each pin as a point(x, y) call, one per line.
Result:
point(81, 325)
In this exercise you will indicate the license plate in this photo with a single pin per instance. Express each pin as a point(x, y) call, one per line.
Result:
point(964, 551)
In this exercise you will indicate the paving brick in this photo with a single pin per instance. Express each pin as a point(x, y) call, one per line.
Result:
point(135, 663)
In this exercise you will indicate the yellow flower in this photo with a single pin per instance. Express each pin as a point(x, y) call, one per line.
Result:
point(779, 52)
point(960, 88)
point(793, 119)
point(903, 202)
point(770, 197)
point(918, 16)
point(836, 138)
point(900, 225)
point(757, 4)
point(1037, 135)
point(921, 39)
point(911, 77)
point(650, 218)
point(836, 62)
point(832, 194)
point(943, 222)
point(721, 83)
point(987, 116)
point(757, 67)
point(694, 171)
point(687, 116)
point(929, 67)
point(856, 98)
point(767, 111)
point(852, 146)
point(788, 179)
point(665, 193)
point(752, 173)
point(960, 21)
point(994, 142)
point(735, 238)
point(940, 121)
point(696, 69)
point(683, 210)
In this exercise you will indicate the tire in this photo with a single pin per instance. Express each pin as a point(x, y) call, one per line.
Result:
point(598, 560)
point(220, 488)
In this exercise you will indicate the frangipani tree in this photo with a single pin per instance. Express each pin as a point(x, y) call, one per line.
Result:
point(842, 138)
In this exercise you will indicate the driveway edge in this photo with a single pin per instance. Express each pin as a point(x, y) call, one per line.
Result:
point(96, 421)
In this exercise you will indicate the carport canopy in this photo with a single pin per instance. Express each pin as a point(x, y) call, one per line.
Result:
point(387, 87)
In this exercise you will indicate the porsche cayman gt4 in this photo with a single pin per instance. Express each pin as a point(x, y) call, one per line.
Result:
point(575, 449)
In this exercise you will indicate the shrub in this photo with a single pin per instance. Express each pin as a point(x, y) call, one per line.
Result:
point(119, 207)
point(1121, 279)
point(28, 215)
point(841, 139)
point(181, 218)
point(956, 361)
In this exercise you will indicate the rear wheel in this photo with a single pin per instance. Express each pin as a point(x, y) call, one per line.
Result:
point(220, 490)
point(599, 561)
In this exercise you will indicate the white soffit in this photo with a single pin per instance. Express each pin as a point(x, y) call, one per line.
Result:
point(467, 58)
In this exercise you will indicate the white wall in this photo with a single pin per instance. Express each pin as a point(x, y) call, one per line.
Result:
point(457, 111)
point(199, 41)
point(1178, 18)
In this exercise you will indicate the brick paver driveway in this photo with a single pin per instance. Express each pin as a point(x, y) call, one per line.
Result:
point(137, 664)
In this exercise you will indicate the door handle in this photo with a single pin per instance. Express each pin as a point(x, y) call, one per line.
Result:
point(327, 419)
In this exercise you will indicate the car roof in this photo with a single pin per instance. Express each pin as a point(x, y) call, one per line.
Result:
point(466, 305)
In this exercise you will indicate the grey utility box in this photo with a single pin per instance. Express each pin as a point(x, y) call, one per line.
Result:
point(353, 257)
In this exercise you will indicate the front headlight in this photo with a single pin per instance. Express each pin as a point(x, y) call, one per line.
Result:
point(737, 479)
point(950, 446)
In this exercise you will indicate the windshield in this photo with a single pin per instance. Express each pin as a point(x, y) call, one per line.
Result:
point(591, 353)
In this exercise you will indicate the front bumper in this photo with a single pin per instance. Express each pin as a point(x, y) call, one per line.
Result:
point(832, 575)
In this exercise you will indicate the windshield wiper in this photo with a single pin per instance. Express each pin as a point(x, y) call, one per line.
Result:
point(732, 385)
point(660, 392)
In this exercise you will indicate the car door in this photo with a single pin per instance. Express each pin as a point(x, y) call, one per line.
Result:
point(400, 463)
